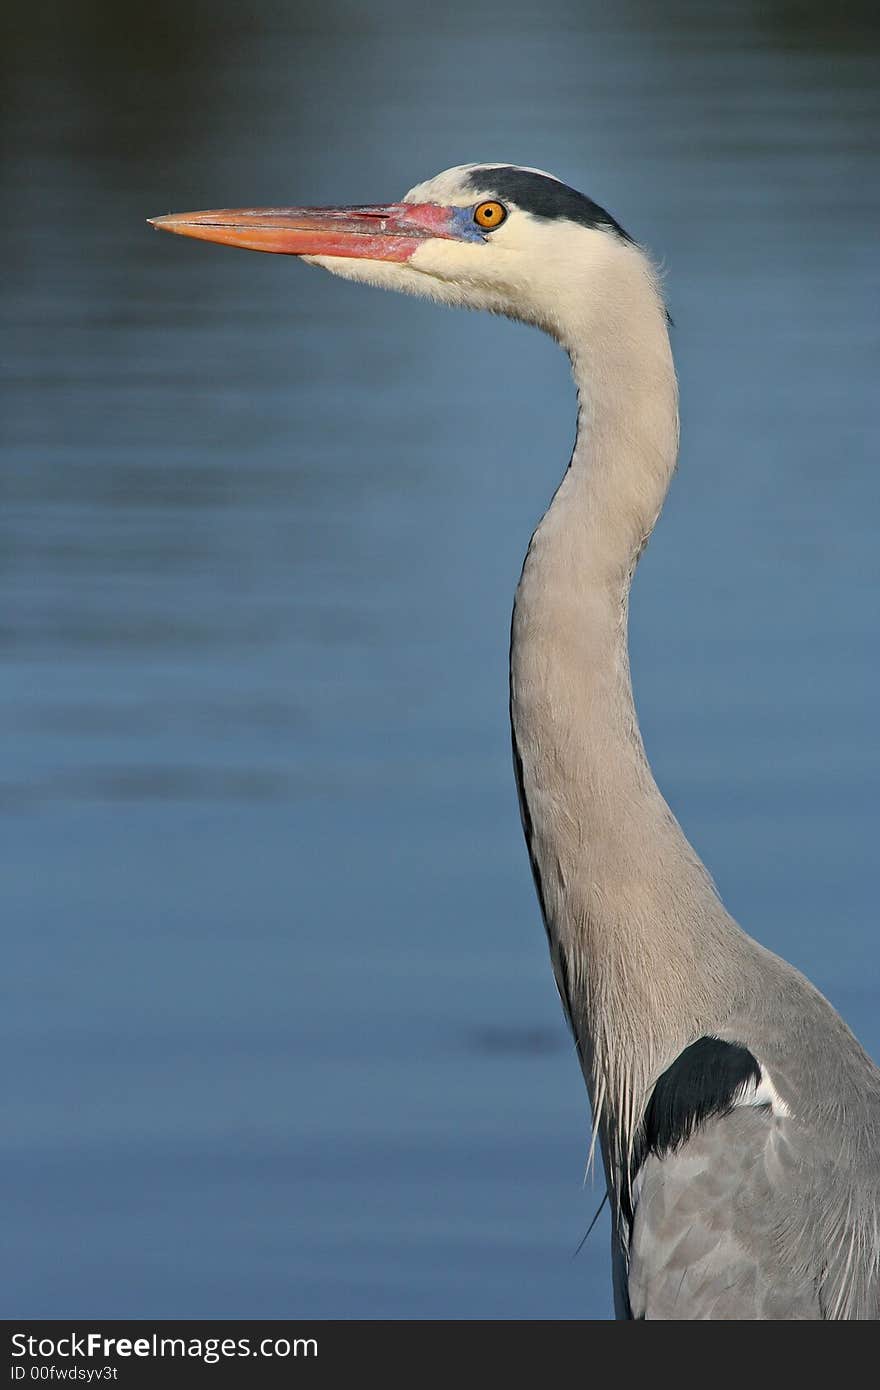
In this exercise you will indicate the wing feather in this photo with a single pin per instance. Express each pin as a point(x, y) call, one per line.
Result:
point(712, 1226)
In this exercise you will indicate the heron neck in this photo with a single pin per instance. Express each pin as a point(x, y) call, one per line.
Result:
point(626, 901)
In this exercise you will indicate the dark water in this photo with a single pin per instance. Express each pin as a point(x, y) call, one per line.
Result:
point(283, 1035)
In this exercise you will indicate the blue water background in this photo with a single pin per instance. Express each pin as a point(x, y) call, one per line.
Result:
point(281, 1031)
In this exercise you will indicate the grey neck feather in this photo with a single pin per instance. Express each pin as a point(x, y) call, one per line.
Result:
point(641, 945)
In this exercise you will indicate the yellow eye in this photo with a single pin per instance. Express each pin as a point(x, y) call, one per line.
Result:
point(490, 215)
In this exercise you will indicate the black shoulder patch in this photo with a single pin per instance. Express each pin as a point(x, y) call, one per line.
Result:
point(544, 197)
point(703, 1081)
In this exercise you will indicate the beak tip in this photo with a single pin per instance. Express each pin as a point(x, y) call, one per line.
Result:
point(168, 222)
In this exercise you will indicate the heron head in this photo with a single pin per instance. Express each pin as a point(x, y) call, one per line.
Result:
point(511, 240)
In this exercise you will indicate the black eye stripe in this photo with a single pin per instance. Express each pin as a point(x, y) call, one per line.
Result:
point(543, 197)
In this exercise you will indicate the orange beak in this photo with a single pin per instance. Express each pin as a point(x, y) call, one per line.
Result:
point(390, 233)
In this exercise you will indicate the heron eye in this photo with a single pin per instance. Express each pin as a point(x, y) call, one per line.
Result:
point(490, 215)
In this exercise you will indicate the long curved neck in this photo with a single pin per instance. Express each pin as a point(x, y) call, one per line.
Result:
point(629, 909)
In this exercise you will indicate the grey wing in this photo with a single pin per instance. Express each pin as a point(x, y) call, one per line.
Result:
point(717, 1229)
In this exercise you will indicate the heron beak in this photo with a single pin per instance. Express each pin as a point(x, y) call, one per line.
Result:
point(390, 233)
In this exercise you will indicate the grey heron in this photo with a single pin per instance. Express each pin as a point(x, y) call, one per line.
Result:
point(737, 1116)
